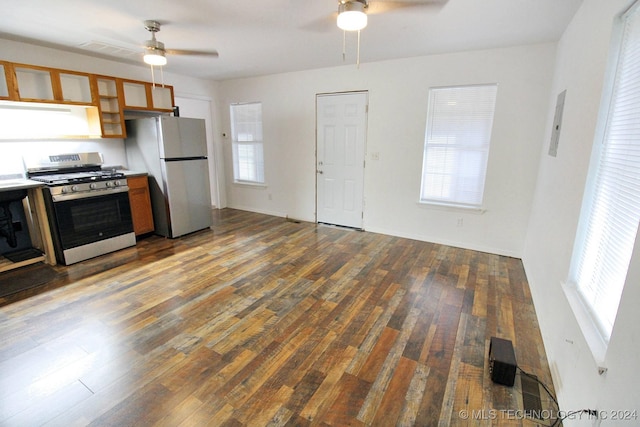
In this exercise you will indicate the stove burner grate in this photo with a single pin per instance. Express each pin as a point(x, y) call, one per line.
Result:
point(77, 177)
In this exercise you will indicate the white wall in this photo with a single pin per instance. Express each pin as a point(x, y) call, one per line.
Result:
point(398, 92)
point(580, 68)
point(113, 148)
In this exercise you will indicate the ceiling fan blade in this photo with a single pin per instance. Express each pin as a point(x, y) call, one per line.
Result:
point(211, 53)
point(382, 6)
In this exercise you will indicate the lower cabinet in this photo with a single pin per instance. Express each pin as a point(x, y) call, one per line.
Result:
point(140, 204)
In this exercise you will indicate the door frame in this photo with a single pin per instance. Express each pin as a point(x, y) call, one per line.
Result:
point(364, 148)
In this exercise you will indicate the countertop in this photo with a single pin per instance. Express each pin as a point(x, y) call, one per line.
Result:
point(121, 169)
point(18, 184)
point(13, 184)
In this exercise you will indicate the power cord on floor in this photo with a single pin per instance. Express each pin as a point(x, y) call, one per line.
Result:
point(591, 412)
point(544, 386)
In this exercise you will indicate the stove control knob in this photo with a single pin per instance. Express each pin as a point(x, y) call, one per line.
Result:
point(64, 189)
point(109, 184)
point(74, 188)
point(92, 186)
point(116, 183)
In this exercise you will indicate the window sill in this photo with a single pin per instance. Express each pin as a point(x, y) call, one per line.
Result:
point(451, 207)
point(596, 342)
point(250, 184)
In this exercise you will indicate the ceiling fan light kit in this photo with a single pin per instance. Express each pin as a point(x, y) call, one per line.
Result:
point(351, 15)
point(154, 49)
point(155, 57)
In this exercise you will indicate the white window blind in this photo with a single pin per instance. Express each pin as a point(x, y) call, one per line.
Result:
point(613, 199)
point(456, 148)
point(248, 152)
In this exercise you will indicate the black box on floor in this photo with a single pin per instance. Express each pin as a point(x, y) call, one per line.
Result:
point(502, 361)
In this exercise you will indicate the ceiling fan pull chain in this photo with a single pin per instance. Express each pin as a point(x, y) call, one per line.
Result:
point(153, 79)
point(162, 75)
point(358, 58)
point(344, 46)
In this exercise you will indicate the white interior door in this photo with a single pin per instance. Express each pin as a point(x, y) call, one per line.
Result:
point(341, 138)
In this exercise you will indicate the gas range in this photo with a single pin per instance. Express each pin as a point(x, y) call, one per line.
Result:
point(76, 175)
point(88, 208)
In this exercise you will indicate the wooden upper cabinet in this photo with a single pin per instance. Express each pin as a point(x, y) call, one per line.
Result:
point(162, 97)
point(4, 85)
point(8, 88)
point(146, 96)
point(135, 95)
point(109, 105)
point(41, 84)
point(76, 88)
point(109, 95)
point(34, 83)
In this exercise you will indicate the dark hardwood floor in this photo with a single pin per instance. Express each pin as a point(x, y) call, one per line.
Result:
point(267, 322)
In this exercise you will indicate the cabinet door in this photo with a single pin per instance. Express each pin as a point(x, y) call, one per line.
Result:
point(162, 97)
point(145, 96)
point(4, 84)
point(34, 84)
point(140, 200)
point(135, 95)
point(39, 84)
point(75, 88)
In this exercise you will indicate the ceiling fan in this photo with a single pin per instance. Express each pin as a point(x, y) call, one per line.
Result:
point(355, 11)
point(352, 14)
point(155, 51)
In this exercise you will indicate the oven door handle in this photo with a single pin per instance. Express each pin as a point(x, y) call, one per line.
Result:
point(87, 194)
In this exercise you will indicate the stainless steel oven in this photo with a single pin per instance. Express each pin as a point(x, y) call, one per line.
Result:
point(89, 226)
point(88, 208)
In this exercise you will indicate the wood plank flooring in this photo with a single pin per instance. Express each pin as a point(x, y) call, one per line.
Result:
point(264, 322)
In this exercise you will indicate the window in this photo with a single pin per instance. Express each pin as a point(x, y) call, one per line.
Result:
point(456, 146)
point(611, 207)
point(246, 133)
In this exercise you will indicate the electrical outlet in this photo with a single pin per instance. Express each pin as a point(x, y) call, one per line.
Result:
point(375, 156)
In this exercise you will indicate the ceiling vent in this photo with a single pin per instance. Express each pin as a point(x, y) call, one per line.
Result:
point(110, 50)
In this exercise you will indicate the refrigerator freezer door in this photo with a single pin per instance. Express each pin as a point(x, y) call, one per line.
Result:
point(182, 137)
point(188, 197)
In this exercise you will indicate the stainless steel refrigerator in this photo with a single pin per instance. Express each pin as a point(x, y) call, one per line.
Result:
point(173, 151)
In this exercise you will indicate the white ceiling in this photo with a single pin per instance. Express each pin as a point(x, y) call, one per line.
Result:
point(274, 36)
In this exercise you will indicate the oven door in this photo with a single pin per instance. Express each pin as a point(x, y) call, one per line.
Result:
point(89, 225)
